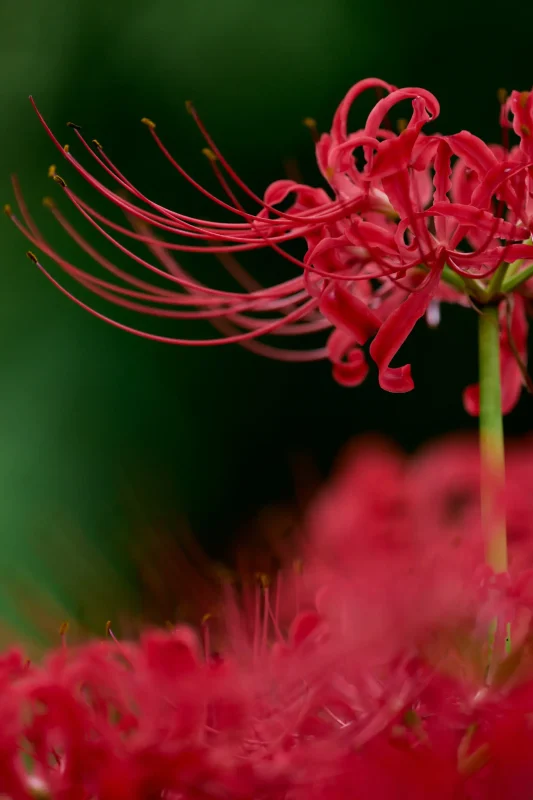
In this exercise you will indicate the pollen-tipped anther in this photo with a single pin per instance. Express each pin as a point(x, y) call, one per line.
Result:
point(66, 148)
point(107, 627)
point(63, 628)
point(58, 179)
point(208, 153)
point(8, 211)
point(311, 125)
point(32, 256)
point(48, 202)
point(523, 98)
point(262, 579)
point(148, 122)
point(298, 566)
point(73, 125)
point(189, 107)
point(502, 96)
point(401, 125)
point(97, 144)
point(51, 170)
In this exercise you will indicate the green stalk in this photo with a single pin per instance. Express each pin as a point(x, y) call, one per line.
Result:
point(491, 440)
point(517, 279)
point(513, 276)
point(496, 282)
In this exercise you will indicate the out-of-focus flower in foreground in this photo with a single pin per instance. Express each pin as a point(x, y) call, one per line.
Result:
point(407, 220)
point(366, 674)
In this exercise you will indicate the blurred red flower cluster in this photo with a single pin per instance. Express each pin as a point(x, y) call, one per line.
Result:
point(368, 673)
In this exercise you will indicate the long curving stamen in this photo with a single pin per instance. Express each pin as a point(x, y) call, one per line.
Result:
point(266, 329)
point(331, 211)
point(164, 296)
point(108, 291)
point(186, 248)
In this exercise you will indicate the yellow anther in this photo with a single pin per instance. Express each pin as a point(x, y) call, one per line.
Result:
point(58, 179)
point(206, 618)
point(523, 98)
point(474, 762)
point(97, 144)
point(107, 627)
point(48, 202)
point(263, 579)
point(63, 628)
point(208, 153)
point(73, 125)
point(8, 211)
point(401, 125)
point(148, 123)
point(224, 574)
point(310, 124)
point(66, 148)
point(51, 170)
point(189, 107)
point(391, 214)
point(502, 96)
point(32, 257)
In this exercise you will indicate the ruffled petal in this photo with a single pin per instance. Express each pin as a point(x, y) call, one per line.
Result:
point(349, 313)
point(394, 155)
point(348, 360)
point(306, 196)
point(428, 102)
point(339, 128)
point(522, 110)
point(395, 331)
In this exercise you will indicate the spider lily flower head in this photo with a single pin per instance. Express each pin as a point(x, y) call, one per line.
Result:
point(407, 220)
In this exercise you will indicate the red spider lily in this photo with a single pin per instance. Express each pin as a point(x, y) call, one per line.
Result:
point(410, 220)
point(380, 686)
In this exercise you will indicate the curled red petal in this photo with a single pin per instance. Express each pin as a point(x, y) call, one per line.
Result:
point(307, 196)
point(394, 155)
point(348, 312)
point(349, 363)
point(339, 127)
point(395, 331)
point(522, 109)
point(473, 151)
point(382, 108)
point(471, 400)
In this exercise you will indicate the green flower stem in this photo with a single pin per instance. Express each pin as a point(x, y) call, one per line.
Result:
point(453, 279)
point(463, 285)
point(517, 279)
point(496, 282)
point(513, 277)
point(491, 440)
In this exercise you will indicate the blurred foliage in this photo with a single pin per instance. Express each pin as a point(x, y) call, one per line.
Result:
point(99, 430)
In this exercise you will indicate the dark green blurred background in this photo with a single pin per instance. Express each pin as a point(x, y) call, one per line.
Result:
point(102, 434)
